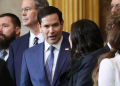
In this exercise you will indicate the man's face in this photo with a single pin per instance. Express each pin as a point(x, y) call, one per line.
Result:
point(29, 13)
point(7, 32)
point(51, 28)
point(115, 4)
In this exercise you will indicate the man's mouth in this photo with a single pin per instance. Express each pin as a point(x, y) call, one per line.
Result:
point(53, 37)
point(1, 36)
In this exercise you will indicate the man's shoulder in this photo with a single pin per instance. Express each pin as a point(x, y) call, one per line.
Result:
point(35, 48)
point(65, 34)
point(100, 51)
point(95, 55)
point(21, 39)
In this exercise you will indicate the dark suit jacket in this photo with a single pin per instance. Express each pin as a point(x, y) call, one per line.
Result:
point(88, 65)
point(16, 49)
point(80, 73)
point(72, 74)
point(5, 78)
point(33, 71)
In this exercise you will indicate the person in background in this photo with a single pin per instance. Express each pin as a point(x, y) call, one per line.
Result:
point(84, 38)
point(43, 64)
point(114, 6)
point(29, 11)
point(110, 60)
point(9, 30)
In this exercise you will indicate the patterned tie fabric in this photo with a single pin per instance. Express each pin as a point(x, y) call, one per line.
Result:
point(1, 52)
point(35, 41)
point(4, 54)
point(49, 64)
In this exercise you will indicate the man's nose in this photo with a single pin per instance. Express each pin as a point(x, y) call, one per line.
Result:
point(113, 10)
point(51, 29)
point(23, 13)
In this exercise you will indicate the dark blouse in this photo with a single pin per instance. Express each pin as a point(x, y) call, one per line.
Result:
point(72, 74)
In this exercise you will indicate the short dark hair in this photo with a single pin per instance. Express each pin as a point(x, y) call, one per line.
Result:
point(39, 4)
point(47, 11)
point(85, 37)
point(14, 19)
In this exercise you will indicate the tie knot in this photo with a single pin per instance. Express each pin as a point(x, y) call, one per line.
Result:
point(51, 48)
point(36, 38)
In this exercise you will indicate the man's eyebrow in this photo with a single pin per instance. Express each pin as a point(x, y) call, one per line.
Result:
point(4, 23)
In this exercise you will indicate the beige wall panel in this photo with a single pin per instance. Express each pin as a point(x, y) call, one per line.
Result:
point(12, 6)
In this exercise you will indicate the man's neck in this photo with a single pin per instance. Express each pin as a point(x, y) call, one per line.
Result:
point(34, 30)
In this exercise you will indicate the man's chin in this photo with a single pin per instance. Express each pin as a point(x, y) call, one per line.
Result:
point(25, 23)
point(53, 42)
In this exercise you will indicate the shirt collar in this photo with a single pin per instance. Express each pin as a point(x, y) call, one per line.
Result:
point(40, 36)
point(109, 45)
point(57, 45)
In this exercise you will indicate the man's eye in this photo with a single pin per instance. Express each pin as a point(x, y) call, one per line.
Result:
point(5, 25)
point(27, 9)
point(118, 5)
point(46, 26)
point(55, 25)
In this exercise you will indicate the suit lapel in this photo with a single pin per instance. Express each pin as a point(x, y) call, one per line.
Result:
point(40, 61)
point(63, 55)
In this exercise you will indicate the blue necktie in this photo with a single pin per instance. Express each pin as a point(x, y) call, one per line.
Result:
point(49, 64)
point(4, 54)
point(35, 41)
point(1, 52)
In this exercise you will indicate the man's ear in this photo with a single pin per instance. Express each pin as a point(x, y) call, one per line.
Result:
point(17, 32)
point(39, 26)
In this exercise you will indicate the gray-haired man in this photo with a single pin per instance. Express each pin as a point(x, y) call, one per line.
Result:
point(29, 11)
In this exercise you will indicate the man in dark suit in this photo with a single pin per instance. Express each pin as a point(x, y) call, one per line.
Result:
point(29, 11)
point(40, 65)
point(88, 65)
point(5, 78)
point(9, 31)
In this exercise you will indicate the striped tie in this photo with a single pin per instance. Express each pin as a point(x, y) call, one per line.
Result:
point(35, 41)
point(49, 64)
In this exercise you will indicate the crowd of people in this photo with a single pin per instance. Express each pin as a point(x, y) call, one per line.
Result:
point(48, 56)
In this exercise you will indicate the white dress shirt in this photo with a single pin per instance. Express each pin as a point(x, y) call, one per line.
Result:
point(109, 45)
point(56, 52)
point(32, 36)
point(109, 71)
